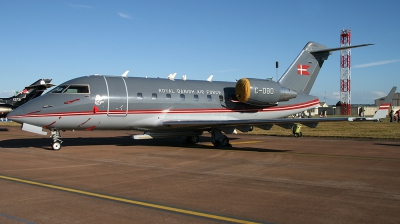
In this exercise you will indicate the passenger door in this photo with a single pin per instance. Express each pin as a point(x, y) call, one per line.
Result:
point(117, 93)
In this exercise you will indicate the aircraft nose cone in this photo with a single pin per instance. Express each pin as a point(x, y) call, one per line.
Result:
point(15, 115)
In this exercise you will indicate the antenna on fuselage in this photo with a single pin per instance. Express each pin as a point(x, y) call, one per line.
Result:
point(171, 76)
point(184, 77)
point(210, 78)
point(125, 73)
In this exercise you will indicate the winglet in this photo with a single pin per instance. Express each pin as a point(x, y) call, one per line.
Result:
point(210, 78)
point(383, 108)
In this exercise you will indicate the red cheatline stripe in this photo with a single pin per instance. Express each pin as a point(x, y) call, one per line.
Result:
point(178, 111)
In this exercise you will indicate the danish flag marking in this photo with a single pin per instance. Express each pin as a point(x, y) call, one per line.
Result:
point(302, 69)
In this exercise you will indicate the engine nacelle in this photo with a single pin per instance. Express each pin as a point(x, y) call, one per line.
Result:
point(262, 92)
point(5, 110)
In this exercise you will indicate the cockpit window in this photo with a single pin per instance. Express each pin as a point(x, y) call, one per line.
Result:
point(59, 89)
point(71, 89)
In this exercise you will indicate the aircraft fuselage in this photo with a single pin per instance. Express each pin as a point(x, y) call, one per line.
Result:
point(109, 102)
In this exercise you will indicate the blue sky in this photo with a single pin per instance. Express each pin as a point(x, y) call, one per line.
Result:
point(229, 39)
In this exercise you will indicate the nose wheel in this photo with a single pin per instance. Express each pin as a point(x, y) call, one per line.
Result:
point(55, 134)
point(56, 146)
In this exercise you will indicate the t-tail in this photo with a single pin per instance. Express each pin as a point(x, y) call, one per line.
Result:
point(301, 74)
point(385, 106)
point(382, 110)
point(28, 93)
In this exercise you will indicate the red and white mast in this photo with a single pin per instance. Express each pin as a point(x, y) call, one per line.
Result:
point(345, 73)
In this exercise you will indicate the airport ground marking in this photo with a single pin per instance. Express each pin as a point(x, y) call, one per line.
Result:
point(15, 218)
point(128, 201)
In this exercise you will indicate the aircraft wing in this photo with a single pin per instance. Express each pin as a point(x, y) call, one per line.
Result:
point(283, 122)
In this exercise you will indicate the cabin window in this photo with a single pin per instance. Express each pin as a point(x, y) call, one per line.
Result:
point(71, 89)
point(196, 97)
point(154, 96)
point(168, 96)
point(139, 96)
point(209, 98)
point(221, 98)
point(182, 96)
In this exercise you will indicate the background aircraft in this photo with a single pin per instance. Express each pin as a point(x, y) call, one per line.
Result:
point(30, 92)
point(171, 107)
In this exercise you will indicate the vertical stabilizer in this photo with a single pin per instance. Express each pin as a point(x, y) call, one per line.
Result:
point(301, 74)
point(385, 106)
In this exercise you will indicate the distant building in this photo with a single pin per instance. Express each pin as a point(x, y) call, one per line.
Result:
point(323, 104)
point(368, 109)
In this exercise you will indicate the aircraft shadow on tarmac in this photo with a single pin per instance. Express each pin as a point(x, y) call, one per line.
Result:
point(388, 144)
point(45, 143)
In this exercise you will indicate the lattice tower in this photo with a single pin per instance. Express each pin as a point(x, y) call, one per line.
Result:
point(345, 73)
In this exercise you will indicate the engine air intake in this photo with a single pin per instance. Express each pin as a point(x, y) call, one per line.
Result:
point(262, 92)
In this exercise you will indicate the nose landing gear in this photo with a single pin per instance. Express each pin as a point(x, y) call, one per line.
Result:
point(55, 134)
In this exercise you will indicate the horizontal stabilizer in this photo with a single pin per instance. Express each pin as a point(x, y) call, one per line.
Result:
point(47, 85)
point(340, 48)
point(41, 83)
point(303, 71)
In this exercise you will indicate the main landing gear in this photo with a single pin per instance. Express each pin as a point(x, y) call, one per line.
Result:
point(55, 134)
point(218, 139)
point(192, 139)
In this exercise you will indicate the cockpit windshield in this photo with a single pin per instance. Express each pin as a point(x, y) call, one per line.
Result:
point(70, 89)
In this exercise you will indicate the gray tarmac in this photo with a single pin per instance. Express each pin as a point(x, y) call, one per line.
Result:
point(107, 177)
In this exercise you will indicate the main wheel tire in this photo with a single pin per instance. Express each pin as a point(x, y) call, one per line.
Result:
point(225, 142)
point(217, 143)
point(56, 146)
point(192, 139)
